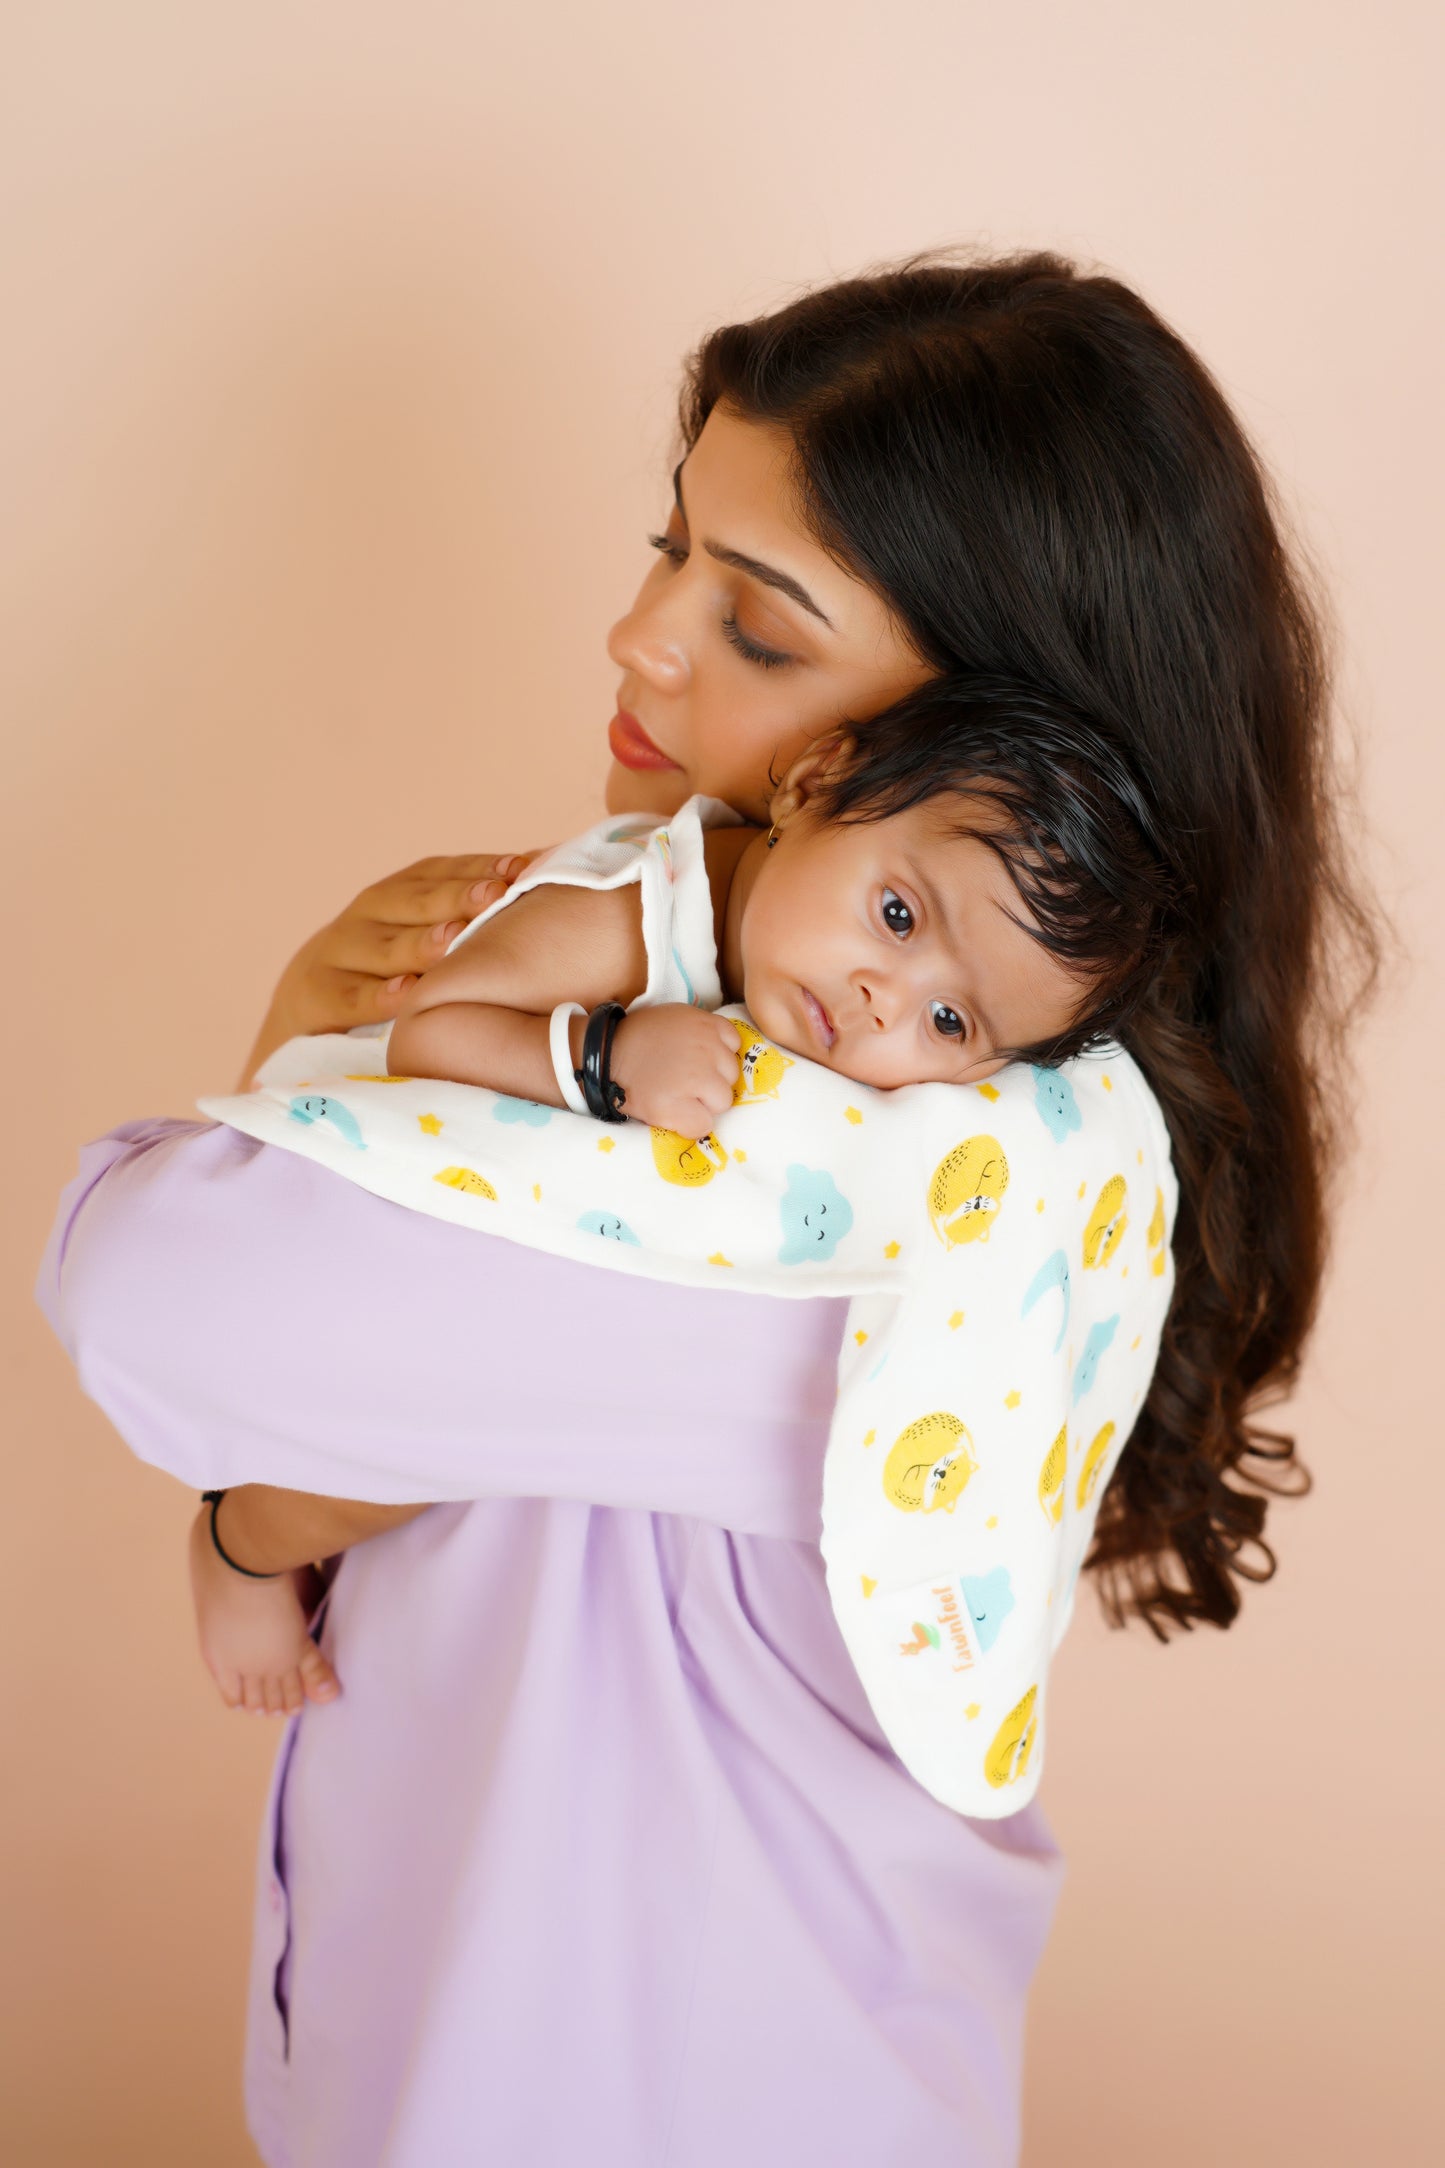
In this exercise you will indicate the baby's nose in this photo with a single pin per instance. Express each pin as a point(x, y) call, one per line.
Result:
point(875, 996)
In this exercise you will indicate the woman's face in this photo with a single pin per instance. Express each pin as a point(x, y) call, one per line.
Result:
point(746, 640)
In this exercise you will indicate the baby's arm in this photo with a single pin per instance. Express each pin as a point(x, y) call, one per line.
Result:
point(481, 1017)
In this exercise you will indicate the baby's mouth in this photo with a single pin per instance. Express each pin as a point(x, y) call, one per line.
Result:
point(819, 1019)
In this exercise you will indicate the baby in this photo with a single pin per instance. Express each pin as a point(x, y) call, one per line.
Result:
point(965, 881)
point(922, 910)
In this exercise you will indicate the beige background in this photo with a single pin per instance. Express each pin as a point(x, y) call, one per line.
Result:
point(339, 344)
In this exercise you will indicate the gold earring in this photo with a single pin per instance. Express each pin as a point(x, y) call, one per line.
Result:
point(772, 835)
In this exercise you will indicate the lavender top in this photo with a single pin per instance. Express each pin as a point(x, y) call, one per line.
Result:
point(601, 1850)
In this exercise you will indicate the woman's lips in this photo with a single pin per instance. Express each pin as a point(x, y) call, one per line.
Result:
point(631, 746)
point(820, 1020)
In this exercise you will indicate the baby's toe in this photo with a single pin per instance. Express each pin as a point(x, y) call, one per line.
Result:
point(317, 1677)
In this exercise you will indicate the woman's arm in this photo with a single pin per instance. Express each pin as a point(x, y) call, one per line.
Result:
point(244, 1317)
point(268, 1530)
point(359, 968)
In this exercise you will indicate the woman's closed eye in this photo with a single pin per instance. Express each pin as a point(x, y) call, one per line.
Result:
point(766, 658)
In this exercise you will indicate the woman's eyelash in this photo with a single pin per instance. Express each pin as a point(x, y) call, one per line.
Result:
point(673, 551)
point(767, 658)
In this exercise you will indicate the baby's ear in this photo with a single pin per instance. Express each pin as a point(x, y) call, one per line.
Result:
point(824, 758)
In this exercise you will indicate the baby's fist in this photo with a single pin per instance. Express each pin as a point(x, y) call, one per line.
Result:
point(678, 1067)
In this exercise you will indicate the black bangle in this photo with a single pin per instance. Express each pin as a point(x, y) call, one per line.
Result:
point(212, 1498)
point(604, 1096)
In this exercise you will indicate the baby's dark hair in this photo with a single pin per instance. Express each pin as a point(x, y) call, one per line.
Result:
point(1075, 830)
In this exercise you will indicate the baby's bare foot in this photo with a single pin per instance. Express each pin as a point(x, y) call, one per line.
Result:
point(253, 1634)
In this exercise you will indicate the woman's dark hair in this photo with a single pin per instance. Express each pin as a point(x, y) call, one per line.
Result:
point(1047, 486)
point(1068, 820)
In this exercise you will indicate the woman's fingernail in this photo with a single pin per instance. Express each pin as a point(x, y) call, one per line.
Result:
point(450, 931)
point(482, 891)
point(394, 986)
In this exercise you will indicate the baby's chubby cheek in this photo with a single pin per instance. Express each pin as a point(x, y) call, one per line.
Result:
point(764, 1002)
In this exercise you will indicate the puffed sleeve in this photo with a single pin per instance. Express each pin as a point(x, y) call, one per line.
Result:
point(242, 1316)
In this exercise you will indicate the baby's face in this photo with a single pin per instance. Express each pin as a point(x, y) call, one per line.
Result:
point(892, 951)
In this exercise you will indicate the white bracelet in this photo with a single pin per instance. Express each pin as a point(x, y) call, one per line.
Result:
point(559, 1039)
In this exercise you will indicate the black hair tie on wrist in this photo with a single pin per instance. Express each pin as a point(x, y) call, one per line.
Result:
point(212, 1498)
point(604, 1096)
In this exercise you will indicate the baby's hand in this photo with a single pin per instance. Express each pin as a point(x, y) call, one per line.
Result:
point(253, 1634)
point(678, 1067)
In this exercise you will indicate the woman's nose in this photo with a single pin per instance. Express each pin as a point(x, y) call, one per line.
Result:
point(648, 643)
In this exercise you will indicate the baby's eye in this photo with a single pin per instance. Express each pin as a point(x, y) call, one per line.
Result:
point(896, 915)
point(946, 1021)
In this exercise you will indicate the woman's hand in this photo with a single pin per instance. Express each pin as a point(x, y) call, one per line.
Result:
point(358, 968)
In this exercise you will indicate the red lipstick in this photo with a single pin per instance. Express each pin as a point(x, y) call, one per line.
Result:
point(631, 746)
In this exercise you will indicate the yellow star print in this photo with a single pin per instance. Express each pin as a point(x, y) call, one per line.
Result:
point(430, 1124)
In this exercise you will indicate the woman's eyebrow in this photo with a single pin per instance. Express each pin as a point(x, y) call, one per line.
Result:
point(767, 575)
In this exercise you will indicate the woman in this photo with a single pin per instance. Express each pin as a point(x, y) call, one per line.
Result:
point(600, 1846)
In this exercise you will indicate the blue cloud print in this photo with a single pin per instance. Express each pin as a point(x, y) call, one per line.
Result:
point(608, 1225)
point(522, 1110)
point(990, 1598)
point(816, 1216)
point(1057, 1107)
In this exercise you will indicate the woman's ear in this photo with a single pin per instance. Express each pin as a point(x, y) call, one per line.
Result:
point(822, 759)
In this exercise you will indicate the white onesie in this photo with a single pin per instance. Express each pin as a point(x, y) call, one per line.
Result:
point(1006, 1246)
point(666, 860)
